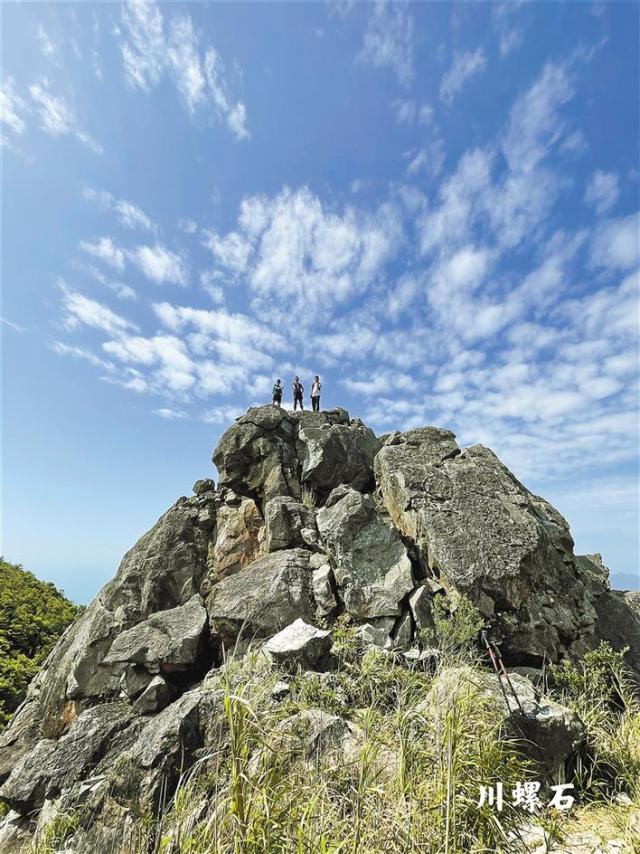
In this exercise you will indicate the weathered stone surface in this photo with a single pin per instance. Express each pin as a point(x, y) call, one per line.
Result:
point(285, 521)
point(53, 765)
point(402, 634)
point(15, 834)
point(299, 645)
point(264, 597)
point(376, 632)
point(371, 565)
point(593, 573)
point(619, 623)
point(632, 598)
point(338, 454)
point(420, 604)
point(316, 736)
point(163, 570)
point(269, 451)
point(182, 726)
point(167, 641)
point(486, 536)
point(205, 484)
point(256, 455)
point(240, 536)
point(322, 582)
point(549, 732)
point(423, 659)
point(155, 697)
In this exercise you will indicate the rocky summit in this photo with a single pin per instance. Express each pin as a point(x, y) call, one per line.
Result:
point(315, 522)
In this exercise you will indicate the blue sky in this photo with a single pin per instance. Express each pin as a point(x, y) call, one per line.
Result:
point(433, 206)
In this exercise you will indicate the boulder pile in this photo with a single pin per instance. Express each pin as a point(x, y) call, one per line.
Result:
point(314, 520)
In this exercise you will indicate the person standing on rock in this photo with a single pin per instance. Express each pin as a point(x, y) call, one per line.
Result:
point(277, 393)
point(298, 391)
point(316, 388)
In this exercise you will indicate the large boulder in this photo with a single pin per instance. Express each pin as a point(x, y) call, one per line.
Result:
point(289, 524)
point(270, 452)
point(256, 455)
point(52, 765)
point(618, 623)
point(263, 598)
point(165, 569)
point(319, 738)
point(370, 562)
point(549, 733)
point(169, 741)
point(299, 645)
point(338, 453)
point(240, 534)
point(167, 641)
point(486, 536)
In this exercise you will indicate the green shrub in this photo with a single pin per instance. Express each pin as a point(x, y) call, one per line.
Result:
point(456, 629)
point(600, 690)
point(33, 615)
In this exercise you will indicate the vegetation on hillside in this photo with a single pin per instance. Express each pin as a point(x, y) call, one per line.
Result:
point(33, 615)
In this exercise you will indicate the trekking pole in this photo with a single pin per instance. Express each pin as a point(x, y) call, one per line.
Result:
point(506, 676)
point(488, 645)
point(500, 669)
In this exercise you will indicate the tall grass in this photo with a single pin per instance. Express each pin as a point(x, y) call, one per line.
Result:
point(409, 782)
point(406, 776)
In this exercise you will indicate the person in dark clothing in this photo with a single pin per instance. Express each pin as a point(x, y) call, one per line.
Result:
point(277, 393)
point(298, 392)
point(316, 388)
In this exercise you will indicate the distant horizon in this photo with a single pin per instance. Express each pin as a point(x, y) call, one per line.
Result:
point(434, 207)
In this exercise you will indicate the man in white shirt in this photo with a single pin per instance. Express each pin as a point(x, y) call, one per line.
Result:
point(316, 388)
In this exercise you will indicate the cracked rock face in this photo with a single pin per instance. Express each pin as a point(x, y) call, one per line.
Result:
point(550, 732)
point(263, 598)
point(370, 562)
point(314, 520)
point(486, 536)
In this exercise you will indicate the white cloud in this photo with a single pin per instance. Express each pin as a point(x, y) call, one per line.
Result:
point(188, 226)
point(11, 107)
point(534, 123)
point(122, 291)
point(152, 47)
point(296, 255)
point(170, 414)
point(82, 310)
point(616, 245)
point(383, 382)
point(57, 117)
point(80, 353)
point(172, 368)
point(209, 279)
point(410, 113)
point(429, 158)
point(105, 250)
point(238, 329)
point(47, 45)
point(388, 40)
point(465, 65)
point(510, 39)
point(128, 214)
point(222, 414)
point(602, 190)
point(12, 325)
point(160, 264)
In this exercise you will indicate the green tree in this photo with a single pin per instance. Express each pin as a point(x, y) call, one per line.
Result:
point(33, 615)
